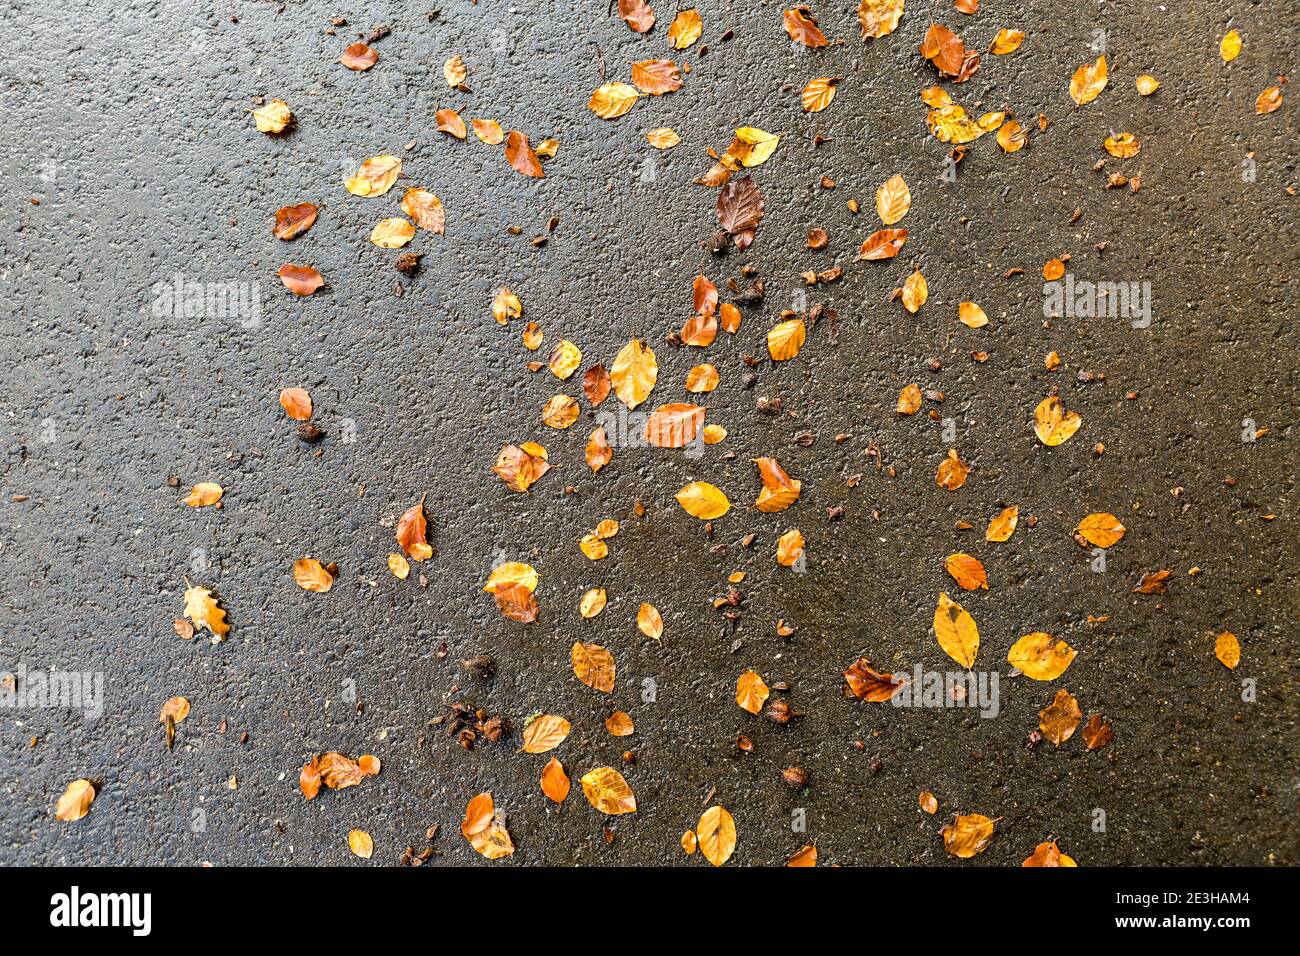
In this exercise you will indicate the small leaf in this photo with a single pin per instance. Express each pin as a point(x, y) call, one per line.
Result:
point(716, 834)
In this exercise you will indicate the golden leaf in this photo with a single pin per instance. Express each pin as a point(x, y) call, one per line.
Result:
point(1002, 526)
point(818, 94)
point(909, 400)
point(608, 792)
point(593, 602)
point(752, 146)
point(565, 359)
point(560, 411)
point(1060, 718)
point(633, 373)
point(1268, 101)
point(545, 733)
point(685, 29)
point(488, 131)
point(656, 77)
point(1007, 41)
point(75, 801)
point(971, 315)
point(375, 177)
point(713, 434)
point(1100, 529)
point(176, 708)
point(789, 548)
point(950, 124)
point(893, 200)
point(1052, 423)
point(598, 452)
point(594, 666)
point(879, 18)
point(1088, 81)
point(968, 835)
point(392, 233)
point(426, 209)
point(1012, 137)
point(689, 842)
point(952, 471)
point(512, 572)
point(273, 117)
point(201, 608)
point(485, 830)
point(203, 494)
point(700, 330)
point(915, 291)
point(928, 802)
point(716, 833)
point(399, 566)
point(1228, 650)
point(751, 692)
point(1146, 84)
point(612, 100)
point(702, 378)
point(1038, 658)
point(593, 547)
point(506, 306)
point(804, 856)
point(703, 500)
point(956, 632)
point(454, 71)
point(674, 426)
point(780, 491)
point(967, 571)
point(663, 138)
point(619, 724)
point(519, 468)
point(1230, 46)
point(310, 575)
point(360, 843)
point(1048, 854)
point(449, 121)
point(650, 622)
point(1123, 145)
point(555, 782)
point(785, 339)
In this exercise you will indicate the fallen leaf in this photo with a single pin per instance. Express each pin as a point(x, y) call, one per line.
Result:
point(740, 208)
point(516, 603)
point(612, 100)
point(716, 833)
point(818, 94)
point(201, 608)
point(75, 801)
point(392, 233)
point(915, 292)
point(656, 77)
point(454, 71)
point(700, 331)
point(300, 280)
point(893, 200)
point(956, 632)
point(968, 835)
point(674, 426)
point(952, 471)
point(1052, 423)
point(1122, 145)
point(1088, 81)
point(882, 244)
point(310, 575)
point(594, 666)
point(619, 724)
point(879, 18)
point(608, 792)
point(1003, 524)
point(1153, 582)
point(410, 532)
point(512, 572)
point(521, 157)
point(1097, 733)
point(358, 56)
point(785, 339)
point(703, 500)
point(485, 829)
point(360, 843)
point(1146, 84)
point(519, 468)
point(752, 146)
point(596, 384)
point(598, 452)
point(593, 602)
point(1060, 718)
point(273, 117)
point(488, 131)
point(555, 782)
point(751, 692)
point(1012, 137)
point(637, 14)
point(909, 400)
point(967, 571)
point(972, 316)
point(802, 28)
point(1228, 650)
point(545, 733)
point(506, 306)
point(560, 411)
point(689, 842)
point(804, 856)
point(399, 566)
point(1048, 854)
point(634, 373)
point(1230, 46)
point(649, 622)
point(928, 802)
point(293, 221)
point(203, 494)
point(1101, 529)
point(866, 683)
point(780, 491)
point(1007, 41)
point(685, 29)
point(450, 122)
point(790, 548)
point(1268, 101)
point(663, 138)
point(702, 378)
point(1037, 657)
point(426, 209)
point(375, 176)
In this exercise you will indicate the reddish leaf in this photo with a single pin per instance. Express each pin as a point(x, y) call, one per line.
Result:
point(521, 156)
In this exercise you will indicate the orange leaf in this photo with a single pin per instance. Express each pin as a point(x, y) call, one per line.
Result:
point(521, 157)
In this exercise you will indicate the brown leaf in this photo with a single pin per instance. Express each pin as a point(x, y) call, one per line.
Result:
point(700, 330)
point(704, 295)
point(596, 384)
point(521, 156)
point(950, 56)
point(1060, 718)
point(426, 209)
point(656, 77)
point(883, 244)
point(599, 454)
point(594, 666)
point(519, 468)
point(967, 571)
point(637, 14)
point(952, 471)
point(1048, 854)
point(293, 221)
point(871, 685)
point(740, 206)
point(1097, 733)
point(300, 280)
point(780, 491)
point(358, 56)
point(674, 426)
point(619, 724)
point(450, 122)
point(928, 802)
point(411, 529)
point(516, 602)
point(1153, 582)
point(802, 27)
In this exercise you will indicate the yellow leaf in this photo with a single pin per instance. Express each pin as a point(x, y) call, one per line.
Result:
point(717, 835)
point(1227, 649)
point(608, 792)
point(968, 835)
point(952, 471)
point(893, 200)
point(488, 131)
point(545, 733)
point(785, 339)
point(1011, 137)
point(201, 608)
point(909, 400)
point(1052, 423)
point(1088, 81)
point(633, 373)
point(1039, 658)
point(485, 830)
point(650, 622)
point(1007, 41)
point(1146, 84)
point(780, 491)
point(619, 724)
point(1230, 46)
point(203, 494)
point(751, 692)
point(511, 572)
point(663, 138)
point(689, 842)
point(400, 567)
point(594, 666)
point(360, 843)
point(560, 411)
point(75, 801)
point(612, 100)
point(593, 547)
point(703, 500)
point(789, 548)
point(685, 29)
point(593, 602)
point(956, 632)
point(967, 571)
point(818, 94)
point(310, 575)
point(565, 359)
point(375, 177)
point(702, 378)
point(1002, 526)
point(506, 306)
point(392, 233)
point(426, 209)
point(879, 18)
point(915, 291)
point(1100, 529)
point(752, 146)
point(274, 117)
point(971, 315)
point(1122, 145)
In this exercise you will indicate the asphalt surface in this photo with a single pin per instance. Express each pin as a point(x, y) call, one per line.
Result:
point(130, 125)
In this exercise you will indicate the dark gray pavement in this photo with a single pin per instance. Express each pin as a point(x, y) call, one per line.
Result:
point(129, 123)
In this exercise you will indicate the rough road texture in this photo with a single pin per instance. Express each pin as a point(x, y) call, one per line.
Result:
point(130, 124)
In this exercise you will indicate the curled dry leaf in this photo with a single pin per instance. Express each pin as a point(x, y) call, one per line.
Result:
point(804, 856)
point(967, 571)
point(293, 221)
point(1038, 657)
point(928, 802)
point(879, 18)
point(663, 138)
point(882, 244)
point(685, 29)
point(952, 472)
point(176, 709)
point(201, 608)
point(612, 100)
point(619, 724)
point(1012, 137)
point(607, 791)
point(75, 801)
point(449, 121)
point(454, 71)
point(780, 491)
point(785, 339)
point(273, 117)
point(560, 411)
point(956, 632)
point(1123, 145)
point(1052, 423)
point(310, 575)
point(545, 733)
point(506, 306)
point(360, 843)
point(203, 494)
point(656, 77)
point(1048, 854)
point(521, 156)
point(1269, 101)
point(637, 14)
point(1228, 650)
point(1088, 81)
point(594, 666)
point(968, 835)
point(866, 683)
point(358, 56)
point(392, 233)
point(674, 426)
point(650, 622)
point(704, 501)
point(1100, 529)
point(950, 56)
point(519, 467)
point(716, 833)
point(1003, 524)
point(300, 280)
point(790, 548)
point(751, 692)
point(555, 782)
point(426, 209)
point(818, 94)
point(909, 400)
point(1096, 732)
point(485, 828)
point(802, 28)
point(1060, 718)
point(411, 530)
point(598, 452)
point(375, 176)
point(634, 373)
point(893, 200)
point(1153, 582)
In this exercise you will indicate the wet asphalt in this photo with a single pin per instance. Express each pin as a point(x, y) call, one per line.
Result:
point(130, 126)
